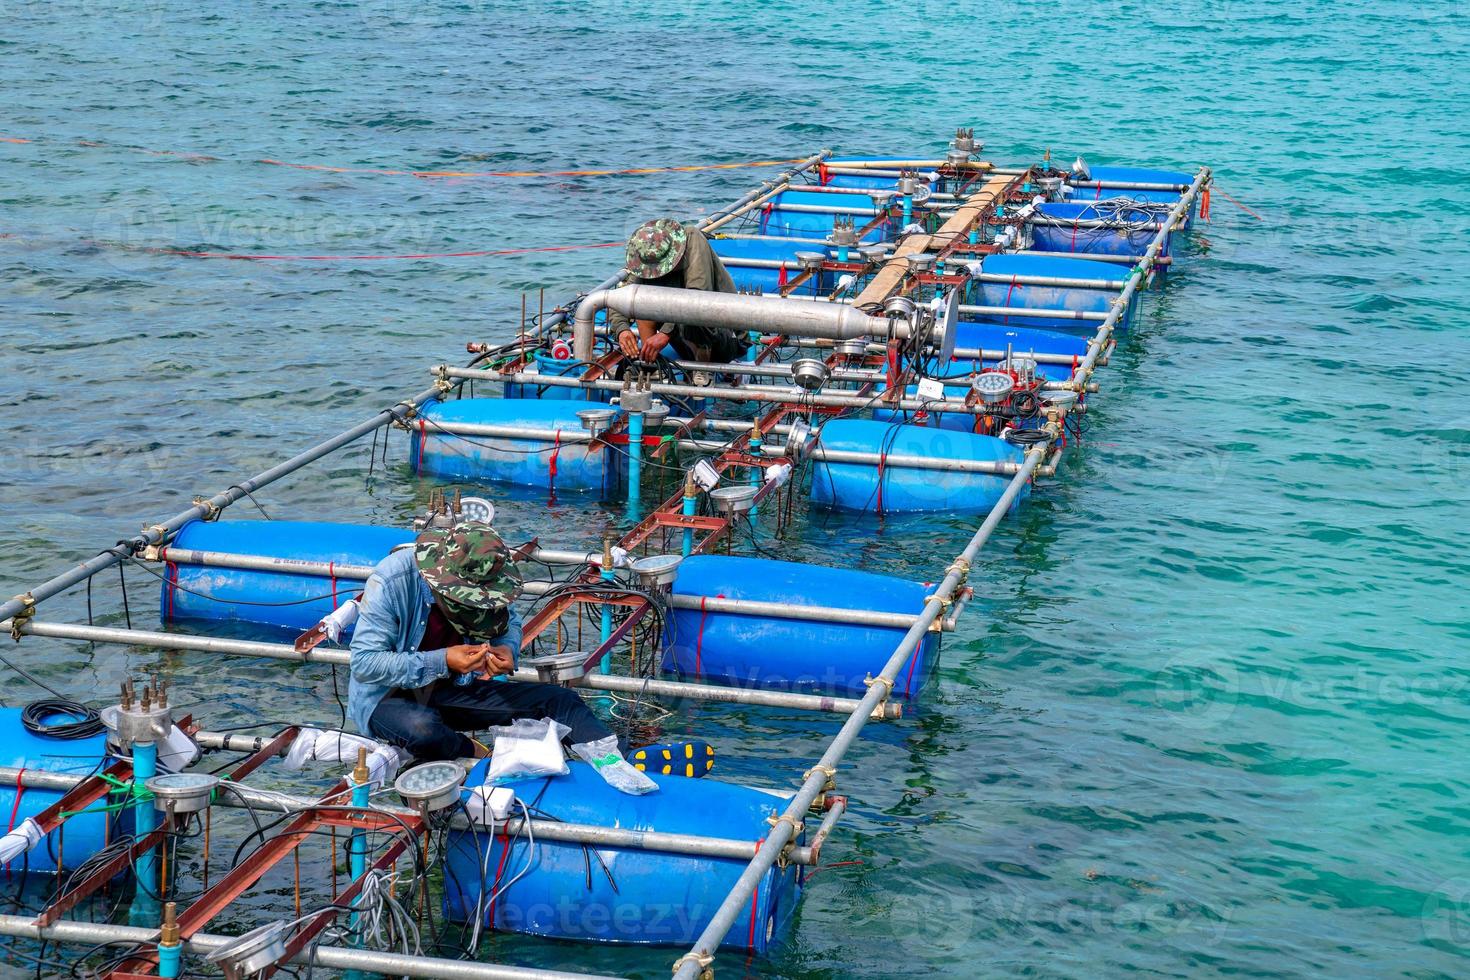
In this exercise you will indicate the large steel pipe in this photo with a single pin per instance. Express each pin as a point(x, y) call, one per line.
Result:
point(727, 311)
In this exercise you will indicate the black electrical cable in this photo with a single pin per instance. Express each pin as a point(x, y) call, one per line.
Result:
point(84, 723)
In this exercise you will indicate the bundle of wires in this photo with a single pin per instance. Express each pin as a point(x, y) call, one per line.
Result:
point(45, 718)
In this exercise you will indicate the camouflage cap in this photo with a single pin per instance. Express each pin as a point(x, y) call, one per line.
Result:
point(655, 248)
point(468, 565)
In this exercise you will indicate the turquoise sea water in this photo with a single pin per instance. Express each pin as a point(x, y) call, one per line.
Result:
point(1210, 716)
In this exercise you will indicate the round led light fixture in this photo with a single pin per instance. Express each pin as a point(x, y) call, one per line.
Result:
point(431, 786)
point(182, 792)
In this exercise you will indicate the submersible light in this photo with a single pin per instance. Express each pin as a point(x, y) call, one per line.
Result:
point(182, 792)
point(431, 786)
point(809, 373)
point(735, 499)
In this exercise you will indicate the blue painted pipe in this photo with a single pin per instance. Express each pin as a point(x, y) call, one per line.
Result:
point(605, 667)
point(908, 209)
point(691, 501)
point(357, 849)
point(635, 462)
point(170, 961)
point(144, 911)
point(842, 253)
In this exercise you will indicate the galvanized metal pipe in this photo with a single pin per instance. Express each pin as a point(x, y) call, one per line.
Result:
point(1120, 224)
point(760, 195)
point(284, 651)
point(757, 393)
point(158, 533)
point(728, 311)
point(327, 957)
point(738, 900)
point(1092, 257)
point(907, 462)
point(1038, 314)
point(689, 966)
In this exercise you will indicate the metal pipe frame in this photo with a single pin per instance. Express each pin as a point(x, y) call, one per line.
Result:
point(156, 534)
point(241, 796)
point(758, 393)
point(284, 651)
point(760, 195)
point(326, 957)
point(818, 778)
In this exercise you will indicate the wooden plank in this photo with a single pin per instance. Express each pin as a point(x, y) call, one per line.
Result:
point(890, 277)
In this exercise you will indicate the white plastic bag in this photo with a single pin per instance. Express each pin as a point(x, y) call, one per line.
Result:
point(617, 772)
point(527, 748)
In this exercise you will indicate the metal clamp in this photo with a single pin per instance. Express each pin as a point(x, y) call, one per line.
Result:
point(442, 384)
point(408, 413)
point(23, 617)
point(887, 684)
point(154, 530)
point(211, 510)
point(829, 771)
point(701, 960)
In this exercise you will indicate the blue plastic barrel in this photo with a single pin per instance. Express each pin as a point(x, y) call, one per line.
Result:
point(548, 365)
point(82, 835)
point(541, 462)
point(1136, 175)
point(792, 654)
point(1097, 241)
point(617, 895)
point(270, 598)
point(732, 250)
point(859, 487)
point(805, 224)
point(1071, 298)
point(1022, 340)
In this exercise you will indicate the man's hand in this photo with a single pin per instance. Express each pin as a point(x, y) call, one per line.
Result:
point(655, 343)
point(467, 658)
point(628, 343)
point(499, 660)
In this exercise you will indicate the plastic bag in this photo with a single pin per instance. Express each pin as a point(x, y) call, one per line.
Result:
point(527, 748)
point(616, 771)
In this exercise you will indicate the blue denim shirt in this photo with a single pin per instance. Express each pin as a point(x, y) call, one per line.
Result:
point(390, 627)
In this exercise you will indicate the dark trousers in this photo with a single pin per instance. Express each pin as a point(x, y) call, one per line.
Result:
point(430, 726)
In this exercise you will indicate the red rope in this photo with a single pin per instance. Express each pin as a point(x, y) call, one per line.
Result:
point(699, 637)
point(259, 257)
point(418, 464)
point(1007, 303)
point(754, 897)
point(555, 455)
point(332, 571)
point(882, 462)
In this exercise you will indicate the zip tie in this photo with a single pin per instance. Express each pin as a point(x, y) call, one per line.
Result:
point(701, 960)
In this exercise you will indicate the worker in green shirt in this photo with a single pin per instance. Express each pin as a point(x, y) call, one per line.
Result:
point(665, 253)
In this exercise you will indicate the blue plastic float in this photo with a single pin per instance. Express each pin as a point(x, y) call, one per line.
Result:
point(533, 462)
point(618, 895)
point(1073, 298)
point(83, 834)
point(792, 654)
point(859, 486)
point(545, 364)
point(197, 592)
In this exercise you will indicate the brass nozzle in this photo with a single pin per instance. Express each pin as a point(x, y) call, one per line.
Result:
point(169, 934)
point(360, 771)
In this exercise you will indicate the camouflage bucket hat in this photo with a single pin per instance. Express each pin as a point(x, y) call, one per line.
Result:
point(468, 566)
point(655, 247)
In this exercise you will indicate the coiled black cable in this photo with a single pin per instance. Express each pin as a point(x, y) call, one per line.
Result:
point(86, 722)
